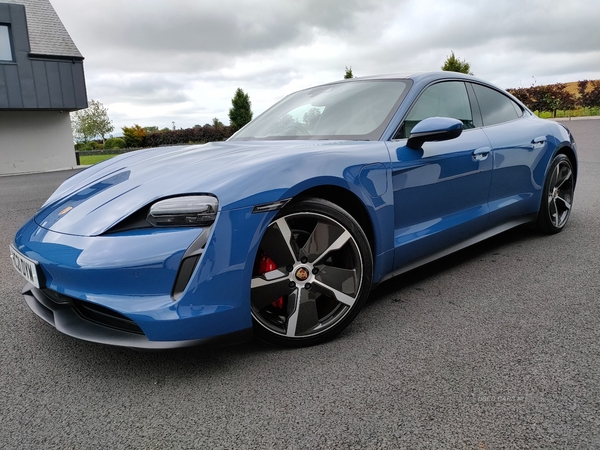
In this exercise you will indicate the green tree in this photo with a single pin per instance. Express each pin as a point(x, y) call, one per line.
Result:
point(240, 113)
point(348, 73)
point(454, 64)
point(565, 101)
point(217, 123)
point(91, 122)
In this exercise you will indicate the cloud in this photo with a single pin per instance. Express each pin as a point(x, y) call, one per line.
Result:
point(187, 57)
point(534, 25)
point(189, 35)
point(142, 88)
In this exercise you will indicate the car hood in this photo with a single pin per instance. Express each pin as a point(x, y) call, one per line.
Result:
point(94, 200)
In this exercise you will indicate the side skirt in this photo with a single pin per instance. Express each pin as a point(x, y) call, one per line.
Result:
point(471, 241)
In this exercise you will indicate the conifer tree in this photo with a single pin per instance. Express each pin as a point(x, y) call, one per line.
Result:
point(240, 112)
point(453, 64)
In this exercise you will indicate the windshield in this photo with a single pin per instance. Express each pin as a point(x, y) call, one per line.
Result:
point(358, 110)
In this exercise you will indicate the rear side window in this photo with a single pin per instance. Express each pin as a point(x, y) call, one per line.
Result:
point(495, 107)
point(446, 99)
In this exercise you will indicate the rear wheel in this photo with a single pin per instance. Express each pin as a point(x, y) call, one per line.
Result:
point(557, 198)
point(312, 274)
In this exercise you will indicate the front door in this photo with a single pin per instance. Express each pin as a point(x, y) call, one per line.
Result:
point(440, 191)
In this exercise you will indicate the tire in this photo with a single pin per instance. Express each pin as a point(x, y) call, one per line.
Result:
point(312, 274)
point(557, 198)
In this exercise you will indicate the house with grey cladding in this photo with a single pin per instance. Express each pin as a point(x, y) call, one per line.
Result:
point(41, 81)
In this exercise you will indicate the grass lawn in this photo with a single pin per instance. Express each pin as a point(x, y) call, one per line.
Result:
point(93, 159)
point(579, 112)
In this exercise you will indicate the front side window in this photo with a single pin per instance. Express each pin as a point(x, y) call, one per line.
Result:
point(496, 107)
point(446, 99)
point(5, 47)
point(358, 110)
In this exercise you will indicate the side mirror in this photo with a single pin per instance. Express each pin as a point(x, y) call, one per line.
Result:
point(434, 129)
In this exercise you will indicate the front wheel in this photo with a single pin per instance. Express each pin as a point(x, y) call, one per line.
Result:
point(557, 198)
point(312, 274)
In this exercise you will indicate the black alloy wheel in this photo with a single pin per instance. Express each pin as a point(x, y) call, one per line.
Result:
point(557, 199)
point(312, 274)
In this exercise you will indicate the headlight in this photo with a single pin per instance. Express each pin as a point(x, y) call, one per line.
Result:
point(188, 211)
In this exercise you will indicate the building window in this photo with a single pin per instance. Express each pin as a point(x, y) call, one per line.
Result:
point(5, 48)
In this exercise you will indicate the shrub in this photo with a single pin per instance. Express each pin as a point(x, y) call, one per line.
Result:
point(198, 134)
point(113, 143)
point(135, 136)
point(84, 147)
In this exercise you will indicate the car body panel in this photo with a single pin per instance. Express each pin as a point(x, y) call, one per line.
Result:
point(521, 164)
point(418, 205)
point(126, 183)
point(142, 275)
point(440, 193)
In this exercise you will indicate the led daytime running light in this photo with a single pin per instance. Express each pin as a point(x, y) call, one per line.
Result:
point(188, 211)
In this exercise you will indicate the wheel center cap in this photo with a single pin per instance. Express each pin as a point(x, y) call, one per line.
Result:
point(301, 274)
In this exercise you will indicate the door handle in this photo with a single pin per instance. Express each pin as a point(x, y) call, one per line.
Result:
point(481, 153)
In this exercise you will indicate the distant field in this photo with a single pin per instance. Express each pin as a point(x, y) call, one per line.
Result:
point(572, 87)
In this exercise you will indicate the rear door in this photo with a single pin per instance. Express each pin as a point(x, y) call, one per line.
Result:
point(441, 191)
point(519, 142)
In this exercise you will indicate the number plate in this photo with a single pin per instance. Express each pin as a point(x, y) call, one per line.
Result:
point(28, 268)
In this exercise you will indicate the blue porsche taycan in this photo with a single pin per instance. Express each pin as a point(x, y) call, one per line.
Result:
point(281, 231)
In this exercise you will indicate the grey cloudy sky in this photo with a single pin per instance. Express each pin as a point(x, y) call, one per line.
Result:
point(153, 62)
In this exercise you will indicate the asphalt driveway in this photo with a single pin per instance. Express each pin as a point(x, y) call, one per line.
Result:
point(494, 347)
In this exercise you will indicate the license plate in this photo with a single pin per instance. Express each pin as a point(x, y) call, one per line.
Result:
point(26, 267)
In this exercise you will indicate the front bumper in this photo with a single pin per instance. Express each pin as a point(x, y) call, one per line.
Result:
point(118, 289)
point(103, 326)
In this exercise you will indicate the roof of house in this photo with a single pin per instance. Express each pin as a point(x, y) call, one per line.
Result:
point(47, 34)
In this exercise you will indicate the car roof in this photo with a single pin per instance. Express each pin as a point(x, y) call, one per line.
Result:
point(417, 76)
point(423, 79)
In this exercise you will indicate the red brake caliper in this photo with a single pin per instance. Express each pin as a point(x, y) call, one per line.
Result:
point(265, 265)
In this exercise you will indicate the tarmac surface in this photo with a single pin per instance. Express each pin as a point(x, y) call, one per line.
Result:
point(496, 346)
